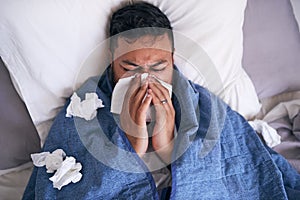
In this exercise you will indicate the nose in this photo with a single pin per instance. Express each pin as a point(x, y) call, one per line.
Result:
point(144, 70)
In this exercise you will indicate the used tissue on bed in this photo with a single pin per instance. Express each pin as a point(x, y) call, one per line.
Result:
point(87, 108)
point(52, 160)
point(67, 173)
point(121, 88)
point(269, 134)
point(67, 170)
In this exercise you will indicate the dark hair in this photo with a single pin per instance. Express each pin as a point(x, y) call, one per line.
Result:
point(144, 18)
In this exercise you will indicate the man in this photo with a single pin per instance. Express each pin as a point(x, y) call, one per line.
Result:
point(192, 147)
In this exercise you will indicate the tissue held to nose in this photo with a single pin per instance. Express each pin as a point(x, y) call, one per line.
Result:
point(121, 88)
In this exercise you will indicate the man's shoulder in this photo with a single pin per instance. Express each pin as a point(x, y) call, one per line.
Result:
point(205, 94)
point(198, 88)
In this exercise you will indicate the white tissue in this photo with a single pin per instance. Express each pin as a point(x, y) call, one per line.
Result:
point(67, 170)
point(121, 88)
point(52, 160)
point(87, 108)
point(268, 133)
point(38, 159)
point(67, 173)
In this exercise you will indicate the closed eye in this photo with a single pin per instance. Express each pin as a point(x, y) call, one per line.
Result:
point(159, 66)
point(129, 66)
point(158, 70)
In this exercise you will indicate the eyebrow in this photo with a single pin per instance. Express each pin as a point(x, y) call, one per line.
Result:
point(136, 65)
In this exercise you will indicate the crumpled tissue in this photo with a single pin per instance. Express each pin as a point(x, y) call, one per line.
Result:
point(67, 173)
point(52, 160)
point(268, 133)
point(67, 170)
point(87, 108)
point(121, 88)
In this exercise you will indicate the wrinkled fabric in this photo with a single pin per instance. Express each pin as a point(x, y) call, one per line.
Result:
point(296, 126)
point(217, 155)
point(269, 134)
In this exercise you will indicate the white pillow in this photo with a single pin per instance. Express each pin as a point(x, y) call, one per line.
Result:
point(43, 44)
point(217, 27)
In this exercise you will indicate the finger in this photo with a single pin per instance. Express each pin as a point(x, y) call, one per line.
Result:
point(160, 91)
point(157, 98)
point(132, 89)
point(160, 86)
point(127, 113)
point(137, 99)
point(161, 113)
point(142, 110)
point(141, 93)
point(139, 104)
point(133, 86)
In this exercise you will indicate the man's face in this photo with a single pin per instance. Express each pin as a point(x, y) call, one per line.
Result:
point(147, 54)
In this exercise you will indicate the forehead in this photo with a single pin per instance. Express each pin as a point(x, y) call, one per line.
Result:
point(126, 45)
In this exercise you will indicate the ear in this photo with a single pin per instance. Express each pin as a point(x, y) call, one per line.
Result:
point(173, 56)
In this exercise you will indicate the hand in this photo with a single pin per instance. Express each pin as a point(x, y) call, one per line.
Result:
point(163, 132)
point(133, 115)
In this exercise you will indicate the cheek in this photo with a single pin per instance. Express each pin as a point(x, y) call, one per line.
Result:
point(170, 75)
point(116, 72)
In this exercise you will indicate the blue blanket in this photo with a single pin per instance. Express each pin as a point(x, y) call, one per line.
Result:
point(216, 155)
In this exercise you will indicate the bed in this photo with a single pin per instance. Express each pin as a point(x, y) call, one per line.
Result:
point(253, 47)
